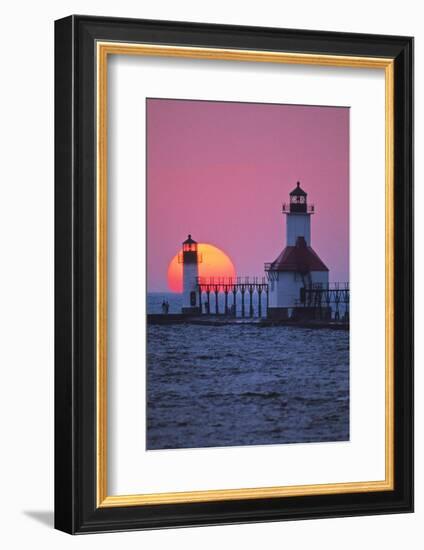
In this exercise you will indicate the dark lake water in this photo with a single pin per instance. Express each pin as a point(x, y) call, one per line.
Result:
point(212, 386)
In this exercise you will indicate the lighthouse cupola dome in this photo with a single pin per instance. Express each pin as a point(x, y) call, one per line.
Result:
point(298, 202)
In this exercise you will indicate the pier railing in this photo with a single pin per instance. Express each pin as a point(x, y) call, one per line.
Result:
point(230, 281)
point(252, 291)
point(327, 297)
point(249, 297)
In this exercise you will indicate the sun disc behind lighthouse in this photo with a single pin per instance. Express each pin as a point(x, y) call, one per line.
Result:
point(213, 262)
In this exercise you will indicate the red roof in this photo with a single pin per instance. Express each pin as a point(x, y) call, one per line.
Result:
point(301, 258)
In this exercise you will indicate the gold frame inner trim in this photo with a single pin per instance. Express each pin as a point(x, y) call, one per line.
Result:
point(104, 49)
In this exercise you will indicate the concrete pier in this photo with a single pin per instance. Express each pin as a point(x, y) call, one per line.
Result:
point(222, 320)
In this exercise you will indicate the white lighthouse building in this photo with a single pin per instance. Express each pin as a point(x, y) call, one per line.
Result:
point(298, 266)
point(190, 260)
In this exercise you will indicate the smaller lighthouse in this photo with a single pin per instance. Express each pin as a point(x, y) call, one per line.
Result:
point(298, 267)
point(190, 261)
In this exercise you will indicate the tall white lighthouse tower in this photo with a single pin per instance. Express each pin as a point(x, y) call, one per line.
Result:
point(298, 266)
point(298, 217)
point(190, 260)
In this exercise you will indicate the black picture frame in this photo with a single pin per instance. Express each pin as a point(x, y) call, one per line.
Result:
point(76, 510)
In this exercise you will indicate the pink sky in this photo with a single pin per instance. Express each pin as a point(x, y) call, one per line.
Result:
point(221, 171)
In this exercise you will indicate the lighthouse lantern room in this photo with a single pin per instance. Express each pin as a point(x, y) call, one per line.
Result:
point(298, 217)
point(298, 266)
point(190, 260)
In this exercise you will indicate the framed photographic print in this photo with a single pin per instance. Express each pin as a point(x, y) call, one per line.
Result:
point(234, 274)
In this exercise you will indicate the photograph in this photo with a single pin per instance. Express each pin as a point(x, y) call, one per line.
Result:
point(247, 273)
point(233, 272)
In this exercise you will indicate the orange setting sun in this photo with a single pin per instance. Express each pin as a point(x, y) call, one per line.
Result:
point(213, 263)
